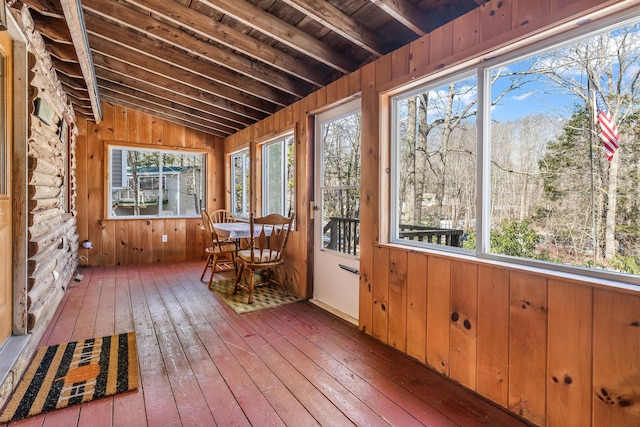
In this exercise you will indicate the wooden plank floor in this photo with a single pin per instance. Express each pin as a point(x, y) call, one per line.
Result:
point(201, 364)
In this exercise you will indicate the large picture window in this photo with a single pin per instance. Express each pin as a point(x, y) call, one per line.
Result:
point(155, 183)
point(557, 178)
point(240, 169)
point(278, 158)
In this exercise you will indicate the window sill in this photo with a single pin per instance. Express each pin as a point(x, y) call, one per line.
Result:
point(575, 274)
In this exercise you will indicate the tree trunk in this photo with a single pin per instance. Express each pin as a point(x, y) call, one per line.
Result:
point(610, 224)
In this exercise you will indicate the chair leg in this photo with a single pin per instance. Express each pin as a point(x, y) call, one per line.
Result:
point(213, 270)
point(213, 267)
point(208, 263)
point(252, 284)
point(238, 276)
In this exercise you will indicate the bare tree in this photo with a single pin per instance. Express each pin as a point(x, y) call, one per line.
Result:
point(607, 65)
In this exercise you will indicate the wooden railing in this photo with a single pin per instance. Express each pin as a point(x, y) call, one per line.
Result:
point(440, 236)
point(343, 235)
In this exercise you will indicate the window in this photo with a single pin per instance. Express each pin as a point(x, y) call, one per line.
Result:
point(434, 150)
point(557, 179)
point(240, 164)
point(278, 158)
point(154, 183)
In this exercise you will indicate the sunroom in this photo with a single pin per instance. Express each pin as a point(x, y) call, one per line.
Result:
point(464, 178)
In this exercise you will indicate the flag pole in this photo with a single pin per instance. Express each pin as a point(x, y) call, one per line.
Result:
point(592, 122)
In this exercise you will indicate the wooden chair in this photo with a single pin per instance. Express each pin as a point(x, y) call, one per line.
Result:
point(217, 251)
point(222, 215)
point(268, 240)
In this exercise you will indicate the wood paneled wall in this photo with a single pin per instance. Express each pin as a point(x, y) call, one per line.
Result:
point(557, 352)
point(132, 241)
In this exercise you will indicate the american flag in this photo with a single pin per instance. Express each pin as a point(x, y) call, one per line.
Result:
point(608, 130)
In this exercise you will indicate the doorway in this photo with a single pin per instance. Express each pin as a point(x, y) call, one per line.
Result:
point(337, 210)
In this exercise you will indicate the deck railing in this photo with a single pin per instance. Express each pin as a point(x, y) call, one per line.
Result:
point(343, 235)
point(440, 236)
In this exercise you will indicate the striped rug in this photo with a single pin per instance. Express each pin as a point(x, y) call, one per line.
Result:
point(67, 374)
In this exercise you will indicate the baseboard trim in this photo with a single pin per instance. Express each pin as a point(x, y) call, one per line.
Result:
point(333, 311)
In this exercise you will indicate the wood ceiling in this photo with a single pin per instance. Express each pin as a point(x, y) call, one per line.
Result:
point(222, 65)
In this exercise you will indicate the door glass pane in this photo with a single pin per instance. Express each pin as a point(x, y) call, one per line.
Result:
point(340, 178)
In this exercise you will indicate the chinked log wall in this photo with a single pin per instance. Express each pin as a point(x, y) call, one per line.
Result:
point(132, 241)
point(52, 240)
point(558, 352)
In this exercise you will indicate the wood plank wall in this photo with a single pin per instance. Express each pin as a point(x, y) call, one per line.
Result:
point(132, 241)
point(557, 352)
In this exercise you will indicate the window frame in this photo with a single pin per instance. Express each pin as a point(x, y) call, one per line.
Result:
point(243, 213)
point(436, 83)
point(284, 140)
point(119, 145)
point(481, 66)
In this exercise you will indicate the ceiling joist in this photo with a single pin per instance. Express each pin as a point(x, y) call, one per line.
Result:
point(219, 66)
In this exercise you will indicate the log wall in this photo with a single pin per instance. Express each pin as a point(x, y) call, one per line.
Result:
point(555, 351)
point(133, 241)
point(52, 241)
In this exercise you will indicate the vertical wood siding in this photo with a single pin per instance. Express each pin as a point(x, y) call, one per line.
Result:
point(556, 352)
point(133, 241)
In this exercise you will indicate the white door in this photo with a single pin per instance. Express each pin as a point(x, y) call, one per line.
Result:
point(337, 210)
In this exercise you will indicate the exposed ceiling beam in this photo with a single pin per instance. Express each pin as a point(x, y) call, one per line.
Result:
point(192, 65)
point(178, 101)
point(81, 110)
point(76, 83)
point(212, 54)
point(158, 112)
point(167, 106)
point(231, 99)
point(82, 95)
point(53, 28)
point(245, 12)
point(221, 105)
point(62, 51)
point(50, 8)
point(75, 21)
point(71, 69)
point(204, 26)
point(406, 13)
point(332, 18)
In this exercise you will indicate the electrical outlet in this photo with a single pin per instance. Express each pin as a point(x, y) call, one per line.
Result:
point(164, 238)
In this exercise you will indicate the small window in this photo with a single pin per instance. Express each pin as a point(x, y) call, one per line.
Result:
point(240, 168)
point(155, 183)
point(278, 158)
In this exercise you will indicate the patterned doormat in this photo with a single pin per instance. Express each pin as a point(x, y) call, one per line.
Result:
point(263, 296)
point(75, 372)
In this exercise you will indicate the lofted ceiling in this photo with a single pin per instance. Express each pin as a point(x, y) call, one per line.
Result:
point(222, 65)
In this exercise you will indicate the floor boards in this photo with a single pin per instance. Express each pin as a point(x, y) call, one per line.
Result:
point(201, 364)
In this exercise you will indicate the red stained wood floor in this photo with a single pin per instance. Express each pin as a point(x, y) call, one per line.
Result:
point(201, 364)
